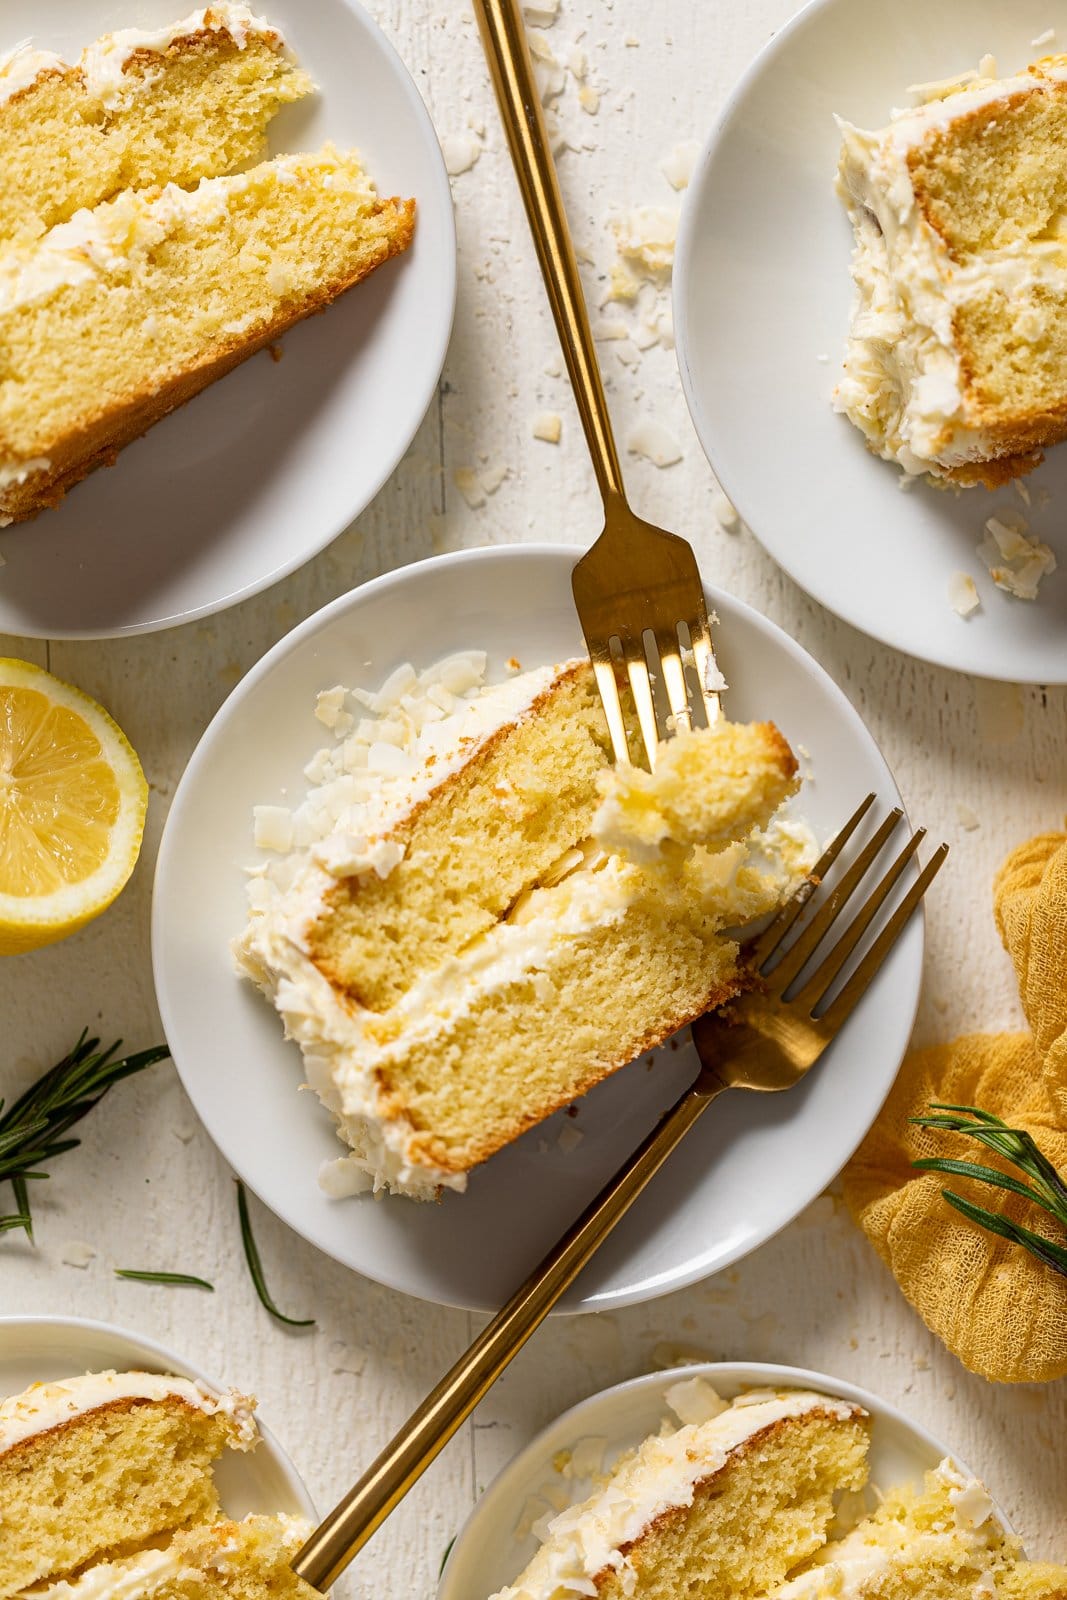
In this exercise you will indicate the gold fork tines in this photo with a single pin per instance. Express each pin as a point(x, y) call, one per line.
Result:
point(637, 585)
point(769, 1036)
point(767, 1040)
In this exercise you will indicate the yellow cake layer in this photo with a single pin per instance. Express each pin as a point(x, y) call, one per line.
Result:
point(588, 1003)
point(102, 1483)
point(195, 109)
point(224, 1560)
point(492, 829)
point(160, 292)
point(995, 177)
point(943, 1542)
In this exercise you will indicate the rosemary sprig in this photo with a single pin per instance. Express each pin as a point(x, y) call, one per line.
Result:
point(184, 1279)
point(1046, 1188)
point(255, 1265)
point(32, 1129)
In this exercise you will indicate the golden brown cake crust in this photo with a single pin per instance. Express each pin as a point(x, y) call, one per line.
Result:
point(117, 1407)
point(98, 443)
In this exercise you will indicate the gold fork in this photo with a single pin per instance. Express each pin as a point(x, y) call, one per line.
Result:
point(638, 592)
point(766, 1040)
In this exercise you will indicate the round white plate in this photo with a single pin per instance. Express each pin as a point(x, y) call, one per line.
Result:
point(762, 296)
point(257, 474)
point(748, 1169)
point(47, 1349)
point(486, 1555)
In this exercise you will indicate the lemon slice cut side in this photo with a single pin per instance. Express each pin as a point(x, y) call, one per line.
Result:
point(72, 808)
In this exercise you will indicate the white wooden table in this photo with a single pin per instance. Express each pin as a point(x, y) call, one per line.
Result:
point(147, 1189)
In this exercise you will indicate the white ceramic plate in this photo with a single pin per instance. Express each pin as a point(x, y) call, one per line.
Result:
point(748, 1169)
point(486, 1556)
point(762, 295)
point(46, 1349)
point(260, 472)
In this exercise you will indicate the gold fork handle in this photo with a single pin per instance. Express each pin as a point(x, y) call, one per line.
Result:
point(504, 38)
point(348, 1527)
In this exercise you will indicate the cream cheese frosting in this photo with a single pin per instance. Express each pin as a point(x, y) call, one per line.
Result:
point(845, 1569)
point(48, 1405)
point(423, 727)
point(591, 1538)
point(901, 384)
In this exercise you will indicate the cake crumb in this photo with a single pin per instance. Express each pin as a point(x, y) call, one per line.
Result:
point(967, 817)
point(469, 485)
point(1017, 561)
point(1048, 37)
point(77, 1254)
point(461, 151)
point(655, 443)
point(541, 13)
point(678, 163)
point(275, 351)
point(963, 594)
point(589, 99)
point(492, 477)
point(725, 512)
point(646, 238)
point(513, 665)
point(547, 425)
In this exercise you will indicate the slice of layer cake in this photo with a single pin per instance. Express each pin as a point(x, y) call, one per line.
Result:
point(126, 311)
point(957, 359)
point(722, 1509)
point(945, 1543)
point(140, 108)
point(99, 1463)
point(454, 951)
point(248, 1560)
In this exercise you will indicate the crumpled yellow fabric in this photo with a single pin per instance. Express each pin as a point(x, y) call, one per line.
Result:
point(1030, 907)
point(1002, 1312)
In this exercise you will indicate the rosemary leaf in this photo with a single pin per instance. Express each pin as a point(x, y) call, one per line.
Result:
point(1046, 1189)
point(255, 1265)
point(990, 1175)
point(32, 1128)
point(448, 1552)
point(22, 1200)
point(182, 1279)
point(1052, 1254)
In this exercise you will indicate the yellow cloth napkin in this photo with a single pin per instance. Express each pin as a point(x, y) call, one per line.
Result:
point(1002, 1312)
point(1030, 907)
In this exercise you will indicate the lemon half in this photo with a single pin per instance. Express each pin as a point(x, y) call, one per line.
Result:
point(72, 808)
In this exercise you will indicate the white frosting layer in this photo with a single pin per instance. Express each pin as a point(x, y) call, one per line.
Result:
point(902, 377)
point(846, 1569)
point(589, 1539)
point(104, 61)
point(47, 1405)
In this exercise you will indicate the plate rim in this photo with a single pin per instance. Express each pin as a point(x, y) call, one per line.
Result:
point(681, 278)
point(170, 1361)
point(201, 755)
point(769, 1374)
point(448, 267)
